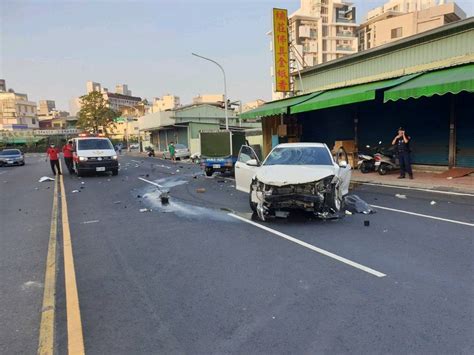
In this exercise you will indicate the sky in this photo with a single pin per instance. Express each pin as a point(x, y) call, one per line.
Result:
point(49, 49)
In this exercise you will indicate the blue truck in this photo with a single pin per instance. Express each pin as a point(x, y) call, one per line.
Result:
point(219, 150)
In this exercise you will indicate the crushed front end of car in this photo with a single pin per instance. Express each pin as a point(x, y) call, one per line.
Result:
point(320, 197)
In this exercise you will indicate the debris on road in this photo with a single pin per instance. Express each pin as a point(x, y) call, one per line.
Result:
point(355, 204)
point(145, 210)
point(45, 178)
point(90, 222)
point(349, 213)
point(74, 191)
point(403, 197)
point(139, 196)
point(366, 223)
point(201, 190)
point(117, 202)
point(164, 197)
point(82, 182)
point(432, 203)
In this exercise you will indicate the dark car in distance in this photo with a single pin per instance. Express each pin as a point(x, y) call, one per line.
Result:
point(10, 157)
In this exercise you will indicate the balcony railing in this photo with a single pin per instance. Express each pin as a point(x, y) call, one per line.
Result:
point(345, 48)
point(345, 34)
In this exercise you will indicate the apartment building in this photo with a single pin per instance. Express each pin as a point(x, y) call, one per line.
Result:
point(45, 107)
point(320, 31)
point(55, 119)
point(252, 105)
point(402, 18)
point(17, 112)
point(167, 102)
point(117, 101)
point(208, 99)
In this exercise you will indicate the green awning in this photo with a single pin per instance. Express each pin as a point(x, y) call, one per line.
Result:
point(439, 82)
point(348, 95)
point(20, 140)
point(277, 107)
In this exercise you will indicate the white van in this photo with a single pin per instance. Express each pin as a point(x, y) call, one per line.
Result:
point(93, 155)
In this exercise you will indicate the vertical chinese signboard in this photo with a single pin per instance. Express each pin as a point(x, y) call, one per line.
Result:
point(281, 50)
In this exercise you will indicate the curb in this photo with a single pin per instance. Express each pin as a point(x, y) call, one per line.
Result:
point(439, 189)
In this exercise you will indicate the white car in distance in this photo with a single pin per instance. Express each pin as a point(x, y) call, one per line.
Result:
point(302, 176)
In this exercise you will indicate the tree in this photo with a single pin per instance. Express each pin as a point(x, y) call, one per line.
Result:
point(94, 114)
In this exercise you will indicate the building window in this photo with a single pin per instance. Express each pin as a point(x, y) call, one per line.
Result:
point(396, 32)
point(33, 121)
point(325, 31)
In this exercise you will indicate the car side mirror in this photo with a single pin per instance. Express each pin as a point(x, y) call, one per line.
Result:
point(343, 164)
point(252, 162)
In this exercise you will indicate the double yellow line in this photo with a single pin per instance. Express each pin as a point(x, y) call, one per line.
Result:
point(74, 324)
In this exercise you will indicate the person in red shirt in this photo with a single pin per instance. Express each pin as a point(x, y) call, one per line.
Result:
point(53, 154)
point(67, 154)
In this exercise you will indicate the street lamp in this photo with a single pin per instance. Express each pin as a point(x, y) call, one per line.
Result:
point(225, 87)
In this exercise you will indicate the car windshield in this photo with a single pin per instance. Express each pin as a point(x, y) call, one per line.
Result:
point(299, 156)
point(90, 144)
point(180, 146)
point(10, 152)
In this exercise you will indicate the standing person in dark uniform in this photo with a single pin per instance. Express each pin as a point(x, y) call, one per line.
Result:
point(67, 154)
point(53, 154)
point(402, 141)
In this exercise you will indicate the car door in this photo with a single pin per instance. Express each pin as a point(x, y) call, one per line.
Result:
point(345, 170)
point(244, 172)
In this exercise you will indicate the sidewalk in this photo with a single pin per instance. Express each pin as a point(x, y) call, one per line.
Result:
point(423, 180)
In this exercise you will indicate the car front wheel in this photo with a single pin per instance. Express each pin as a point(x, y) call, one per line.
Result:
point(334, 201)
point(253, 205)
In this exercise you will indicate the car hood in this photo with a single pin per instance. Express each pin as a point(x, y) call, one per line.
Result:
point(12, 156)
point(280, 175)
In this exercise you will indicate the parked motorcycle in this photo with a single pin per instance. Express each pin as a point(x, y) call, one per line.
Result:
point(386, 161)
point(150, 152)
point(366, 162)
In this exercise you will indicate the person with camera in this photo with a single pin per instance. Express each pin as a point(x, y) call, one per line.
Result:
point(402, 141)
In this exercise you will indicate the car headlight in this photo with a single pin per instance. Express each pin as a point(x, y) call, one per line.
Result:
point(114, 157)
point(82, 158)
point(323, 184)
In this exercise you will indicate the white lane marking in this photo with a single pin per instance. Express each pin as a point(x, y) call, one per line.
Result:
point(416, 189)
point(89, 222)
point(311, 247)
point(425, 216)
point(150, 182)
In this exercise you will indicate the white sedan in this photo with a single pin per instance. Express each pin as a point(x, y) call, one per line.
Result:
point(294, 176)
point(181, 152)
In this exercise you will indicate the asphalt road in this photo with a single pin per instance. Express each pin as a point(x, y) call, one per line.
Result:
point(189, 278)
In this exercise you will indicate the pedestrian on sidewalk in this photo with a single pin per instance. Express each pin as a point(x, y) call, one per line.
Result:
point(53, 154)
point(172, 150)
point(402, 141)
point(67, 154)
